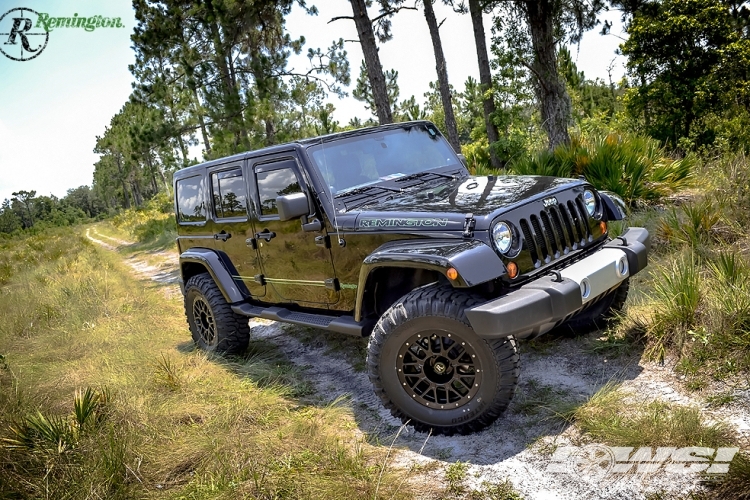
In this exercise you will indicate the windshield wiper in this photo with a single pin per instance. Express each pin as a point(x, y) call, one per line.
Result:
point(422, 174)
point(364, 189)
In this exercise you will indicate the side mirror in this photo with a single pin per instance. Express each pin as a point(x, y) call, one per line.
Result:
point(463, 160)
point(292, 206)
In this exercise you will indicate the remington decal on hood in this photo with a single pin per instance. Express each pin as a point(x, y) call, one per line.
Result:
point(398, 222)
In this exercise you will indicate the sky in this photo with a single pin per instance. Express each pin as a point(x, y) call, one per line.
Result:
point(52, 107)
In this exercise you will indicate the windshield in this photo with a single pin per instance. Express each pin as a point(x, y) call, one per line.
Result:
point(367, 159)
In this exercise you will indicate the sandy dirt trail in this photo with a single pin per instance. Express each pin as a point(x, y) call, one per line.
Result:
point(518, 446)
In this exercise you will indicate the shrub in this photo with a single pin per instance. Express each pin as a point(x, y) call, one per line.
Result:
point(676, 298)
point(634, 167)
point(695, 224)
point(478, 157)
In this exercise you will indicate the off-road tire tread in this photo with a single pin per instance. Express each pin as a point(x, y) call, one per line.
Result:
point(445, 301)
point(232, 329)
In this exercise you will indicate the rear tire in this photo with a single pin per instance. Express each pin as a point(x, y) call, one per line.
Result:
point(432, 370)
point(213, 324)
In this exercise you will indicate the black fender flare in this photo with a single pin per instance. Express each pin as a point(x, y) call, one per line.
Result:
point(475, 261)
point(614, 206)
point(217, 268)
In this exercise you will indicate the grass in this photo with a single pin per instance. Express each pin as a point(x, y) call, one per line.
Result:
point(455, 479)
point(616, 417)
point(103, 396)
point(542, 400)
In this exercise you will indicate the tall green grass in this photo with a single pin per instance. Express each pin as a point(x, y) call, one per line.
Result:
point(700, 310)
point(617, 418)
point(173, 421)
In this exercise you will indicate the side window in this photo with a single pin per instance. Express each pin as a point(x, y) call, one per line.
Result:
point(274, 181)
point(229, 194)
point(190, 200)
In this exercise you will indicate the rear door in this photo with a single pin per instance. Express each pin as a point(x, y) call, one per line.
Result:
point(233, 228)
point(192, 210)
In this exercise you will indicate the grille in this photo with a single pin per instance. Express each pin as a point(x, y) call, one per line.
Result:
point(555, 231)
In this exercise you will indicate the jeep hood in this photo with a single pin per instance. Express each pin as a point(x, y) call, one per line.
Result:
point(445, 206)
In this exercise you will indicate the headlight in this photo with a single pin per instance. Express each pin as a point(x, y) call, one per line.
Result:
point(590, 201)
point(503, 237)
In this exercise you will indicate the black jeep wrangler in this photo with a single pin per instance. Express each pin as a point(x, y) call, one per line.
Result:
point(383, 233)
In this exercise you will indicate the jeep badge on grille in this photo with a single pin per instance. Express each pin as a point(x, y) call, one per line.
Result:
point(548, 202)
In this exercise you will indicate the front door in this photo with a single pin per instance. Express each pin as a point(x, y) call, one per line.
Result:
point(232, 227)
point(296, 267)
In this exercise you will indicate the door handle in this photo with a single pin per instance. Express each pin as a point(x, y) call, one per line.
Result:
point(223, 236)
point(265, 235)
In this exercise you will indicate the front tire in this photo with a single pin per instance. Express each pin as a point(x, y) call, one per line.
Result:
point(431, 369)
point(213, 324)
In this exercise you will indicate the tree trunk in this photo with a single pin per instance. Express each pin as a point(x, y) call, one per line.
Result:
point(151, 171)
point(137, 196)
point(372, 61)
point(553, 96)
point(202, 122)
point(232, 102)
point(270, 132)
point(180, 142)
point(485, 78)
point(442, 73)
point(122, 180)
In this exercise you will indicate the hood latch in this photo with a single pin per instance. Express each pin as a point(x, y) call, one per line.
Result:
point(469, 224)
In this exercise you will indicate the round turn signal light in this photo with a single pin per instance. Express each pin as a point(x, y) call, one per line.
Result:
point(603, 227)
point(512, 269)
point(451, 273)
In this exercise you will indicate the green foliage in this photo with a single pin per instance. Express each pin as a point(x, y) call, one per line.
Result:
point(700, 311)
point(155, 221)
point(614, 417)
point(40, 433)
point(363, 91)
point(695, 224)
point(679, 82)
point(478, 157)
point(455, 474)
point(676, 298)
point(736, 484)
point(633, 167)
point(231, 430)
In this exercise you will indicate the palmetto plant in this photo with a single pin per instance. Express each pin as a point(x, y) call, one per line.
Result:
point(634, 167)
point(38, 432)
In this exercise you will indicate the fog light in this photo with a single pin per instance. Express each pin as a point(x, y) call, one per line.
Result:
point(585, 288)
point(622, 267)
point(512, 270)
point(451, 273)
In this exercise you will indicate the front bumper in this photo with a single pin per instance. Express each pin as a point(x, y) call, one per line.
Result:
point(538, 306)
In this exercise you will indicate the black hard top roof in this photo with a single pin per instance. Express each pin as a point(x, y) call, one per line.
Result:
point(278, 148)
